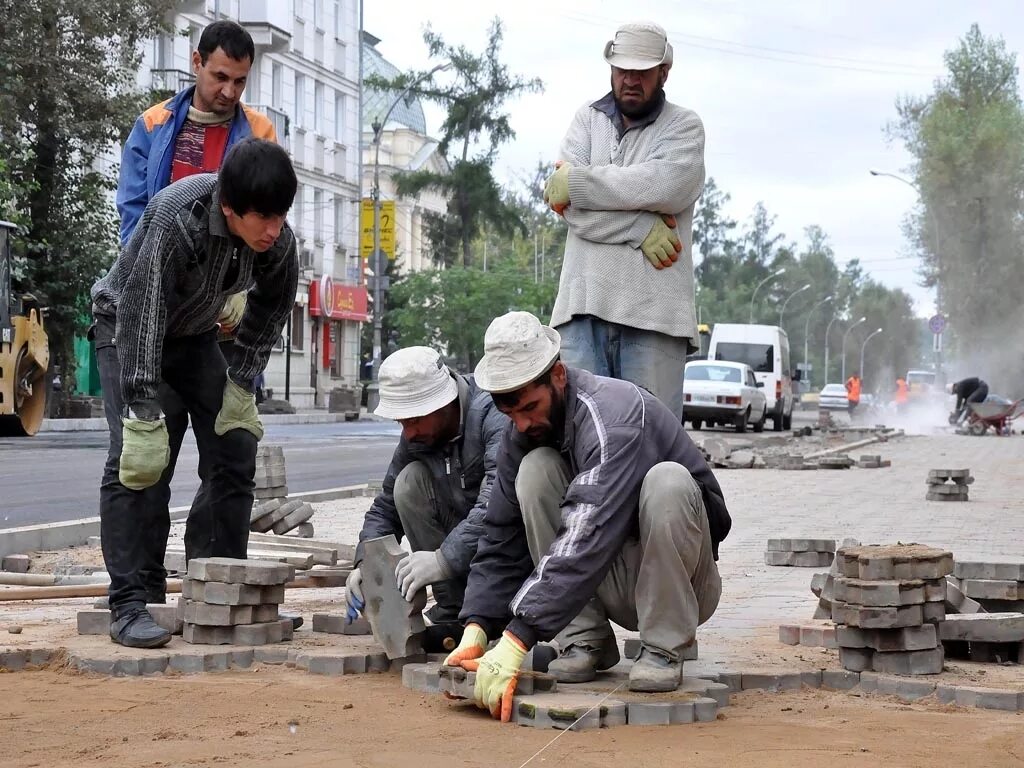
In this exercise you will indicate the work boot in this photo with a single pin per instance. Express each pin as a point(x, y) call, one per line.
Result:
point(132, 626)
point(654, 672)
point(579, 662)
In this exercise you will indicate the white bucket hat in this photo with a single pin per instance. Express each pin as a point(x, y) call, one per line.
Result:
point(517, 350)
point(414, 382)
point(641, 45)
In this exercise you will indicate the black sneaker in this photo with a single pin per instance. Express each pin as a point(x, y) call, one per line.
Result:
point(134, 627)
point(295, 618)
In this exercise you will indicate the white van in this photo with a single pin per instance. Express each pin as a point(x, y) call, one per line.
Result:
point(765, 348)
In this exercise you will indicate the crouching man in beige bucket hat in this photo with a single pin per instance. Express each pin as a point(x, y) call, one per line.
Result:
point(440, 478)
point(603, 508)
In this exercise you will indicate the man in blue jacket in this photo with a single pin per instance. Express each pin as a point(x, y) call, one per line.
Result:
point(439, 481)
point(603, 508)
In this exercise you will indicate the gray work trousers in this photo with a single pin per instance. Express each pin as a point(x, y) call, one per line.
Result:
point(427, 521)
point(665, 584)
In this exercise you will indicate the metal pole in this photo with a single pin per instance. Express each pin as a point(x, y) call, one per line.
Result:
point(807, 331)
point(288, 355)
point(875, 333)
point(758, 286)
point(827, 329)
point(862, 320)
point(794, 293)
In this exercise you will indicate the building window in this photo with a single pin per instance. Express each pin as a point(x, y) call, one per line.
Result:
point(297, 211)
point(164, 53)
point(300, 101)
point(339, 219)
point(298, 327)
point(276, 85)
point(339, 117)
point(339, 22)
point(318, 14)
point(194, 33)
point(318, 107)
point(318, 215)
point(337, 340)
point(297, 8)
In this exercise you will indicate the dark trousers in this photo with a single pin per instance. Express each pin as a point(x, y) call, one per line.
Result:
point(134, 524)
point(977, 396)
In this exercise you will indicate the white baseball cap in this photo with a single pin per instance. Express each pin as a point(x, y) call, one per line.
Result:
point(414, 382)
point(517, 350)
point(640, 45)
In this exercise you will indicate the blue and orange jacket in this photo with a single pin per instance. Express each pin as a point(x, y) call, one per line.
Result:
point(149, 151)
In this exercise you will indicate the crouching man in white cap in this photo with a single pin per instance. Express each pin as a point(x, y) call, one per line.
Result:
point(603, 509)
point(630, 171)
point(439, 480)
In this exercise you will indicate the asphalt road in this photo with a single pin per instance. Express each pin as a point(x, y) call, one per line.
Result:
point(55, 476)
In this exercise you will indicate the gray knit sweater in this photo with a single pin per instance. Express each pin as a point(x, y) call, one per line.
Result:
point(173, 276)
point(617, 188)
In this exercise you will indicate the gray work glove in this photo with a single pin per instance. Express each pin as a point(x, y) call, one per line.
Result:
point(418, 569)
point(354, 595)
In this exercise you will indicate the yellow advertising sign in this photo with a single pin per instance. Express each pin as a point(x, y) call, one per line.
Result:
point(387, 228)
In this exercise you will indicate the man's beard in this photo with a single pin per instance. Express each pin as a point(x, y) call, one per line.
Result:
point(642, 110)
point(551, 435)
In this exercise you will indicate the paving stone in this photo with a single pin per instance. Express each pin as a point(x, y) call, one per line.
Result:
point(878, 618)
point(894, 561)
point(228, 615)
point(935, 496)
point(243, 658)
point(991, 589)
point(733, 681)
point(263, 633)
point(277, 492)
point(575, 711)
point(948, 474)
point(933, 613)
point(271, 655)
point(267, 521)
point(705, 710)
point(16, 563)
point(919, 638)
point(986, 627)
point(839, 679)
point(935, 590)
point(835, 462)
point(459, 683)
point(165, 615)
point(263, 508)
point(957, 601)
point(772, 681)
point(878, 593)
point(811, 678)
point(222, 593)
point(983, 698)
point(799, 559)
point(818, 582)
point(218, 661)
point(336, 624)
point(397, 624)
point(93, 622)
point(1002, 606)
point(341, 664)
point(818, 637)
point(187, 663)
point(801, 545)
point(855, 659)
point(789, 634)
point(905, 688)
point(236, 571)
point(304, 530)
point(868, 681)
point(909, 662)
point(1009, 569)
point(659, 712)
point(293, 519)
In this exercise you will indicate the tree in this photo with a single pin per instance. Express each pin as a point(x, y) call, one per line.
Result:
point(68, 69)
point(967, 141)
point(475, 126)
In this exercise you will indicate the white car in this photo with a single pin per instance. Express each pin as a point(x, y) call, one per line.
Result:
point(720, 392)
point(833, 398)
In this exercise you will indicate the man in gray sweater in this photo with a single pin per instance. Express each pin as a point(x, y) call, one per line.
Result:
point(631, 170)
point(199, 241)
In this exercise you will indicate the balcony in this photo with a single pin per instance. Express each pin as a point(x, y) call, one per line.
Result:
point(167, 82)
point(269, 22)
point(280, 120)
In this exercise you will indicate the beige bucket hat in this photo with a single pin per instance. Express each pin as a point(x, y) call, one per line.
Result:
point(640, 45)
point(517, 350)
point(414, 382)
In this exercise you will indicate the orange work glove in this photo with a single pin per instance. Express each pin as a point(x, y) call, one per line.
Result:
point(497, 673)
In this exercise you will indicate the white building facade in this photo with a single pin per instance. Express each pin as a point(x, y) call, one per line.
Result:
point(306, 79)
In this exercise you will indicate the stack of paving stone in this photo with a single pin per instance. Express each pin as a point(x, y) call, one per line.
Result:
point(802, 553)
point(271, 509)
point(229, 601)
point(993, 589)
point(997, 585)
point(954, 490)
point(836, 461)
point(873, 461)
point(887, 603)
point(987, 637)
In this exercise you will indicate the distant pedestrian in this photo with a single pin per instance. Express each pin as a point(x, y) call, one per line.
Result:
point(902, 394)
point(853, 392)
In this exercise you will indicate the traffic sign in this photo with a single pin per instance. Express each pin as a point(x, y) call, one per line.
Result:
point(937, 323)
point(387, 228)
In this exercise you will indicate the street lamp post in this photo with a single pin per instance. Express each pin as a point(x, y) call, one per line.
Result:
point(807, 331)
point(378, 257)
point(782, 311)
point(870, 335)
point(827, 329)
point(852, 326)
point(776, 273)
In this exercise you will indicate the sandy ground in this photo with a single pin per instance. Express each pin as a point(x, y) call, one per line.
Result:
point(271, 717)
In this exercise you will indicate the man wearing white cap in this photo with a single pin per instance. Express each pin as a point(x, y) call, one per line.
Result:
point(603, 508)
point(631, 170)
point(439, 480)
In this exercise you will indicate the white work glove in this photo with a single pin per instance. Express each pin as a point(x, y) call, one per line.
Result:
point(418, 569)
point(354, 595)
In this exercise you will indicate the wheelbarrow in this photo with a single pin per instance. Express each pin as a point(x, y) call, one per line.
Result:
point(981, 416)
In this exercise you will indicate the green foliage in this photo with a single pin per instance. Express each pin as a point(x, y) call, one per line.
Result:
point(68, 68)
point(475, 125)
point(967, 140)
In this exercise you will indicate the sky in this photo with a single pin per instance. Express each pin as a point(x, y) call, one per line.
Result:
point(795, 95)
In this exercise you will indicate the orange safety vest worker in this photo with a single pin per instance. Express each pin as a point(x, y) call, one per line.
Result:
point(902, 391)
point(853, 389)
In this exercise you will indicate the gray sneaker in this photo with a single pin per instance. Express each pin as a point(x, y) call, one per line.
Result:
point(579, 662)
point(653, 672)
point(133, 626)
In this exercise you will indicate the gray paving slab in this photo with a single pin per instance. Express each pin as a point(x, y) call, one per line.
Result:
point(986, 627)
point(337, 624)
point(568, 711)
point(1009, 569)
point(222, 593)
point(397, 624)
point(236, 571)
point(909, 662)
